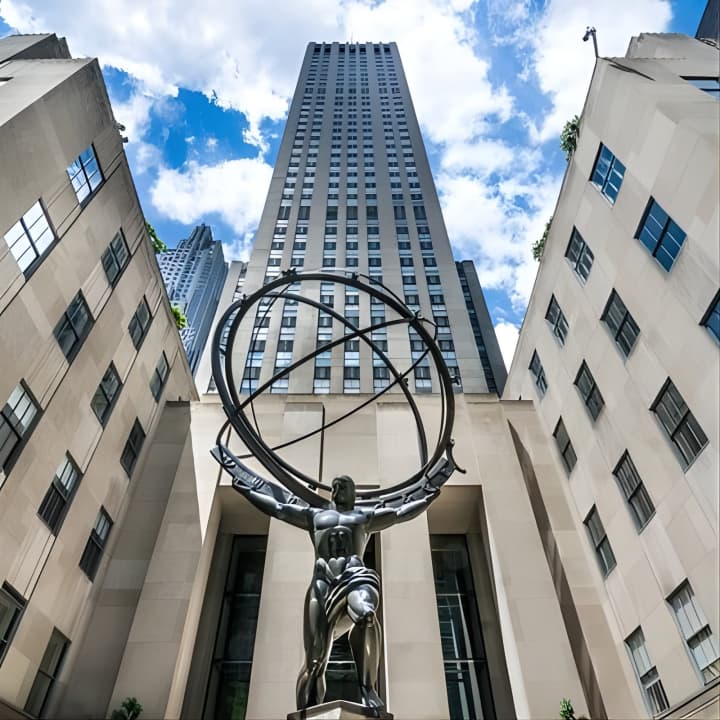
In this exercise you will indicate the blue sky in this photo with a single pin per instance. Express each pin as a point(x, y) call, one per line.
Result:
point(203, 89)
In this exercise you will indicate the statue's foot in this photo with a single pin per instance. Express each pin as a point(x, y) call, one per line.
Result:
point(370, 698)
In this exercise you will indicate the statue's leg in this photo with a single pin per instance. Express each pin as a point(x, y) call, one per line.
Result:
point(317, 637)
point(366, 641)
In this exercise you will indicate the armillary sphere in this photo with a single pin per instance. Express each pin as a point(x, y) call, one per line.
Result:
point(286, 481)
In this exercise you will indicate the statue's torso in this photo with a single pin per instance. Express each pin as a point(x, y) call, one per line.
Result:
point(340, 538)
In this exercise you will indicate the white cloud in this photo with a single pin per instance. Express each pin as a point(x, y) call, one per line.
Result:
point(507, 336)
point(234, 190)
point(564, 64)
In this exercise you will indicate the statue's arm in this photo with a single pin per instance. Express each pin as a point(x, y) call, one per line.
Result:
point(385, 517)
point(297, 515)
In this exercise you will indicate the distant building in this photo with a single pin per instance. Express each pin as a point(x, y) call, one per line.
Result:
point(619, 352)
point(194, 273)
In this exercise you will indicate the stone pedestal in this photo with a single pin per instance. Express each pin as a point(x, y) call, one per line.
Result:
point(339, 710)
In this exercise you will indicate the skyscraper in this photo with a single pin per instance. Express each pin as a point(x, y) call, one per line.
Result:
point(352, 189)
point(194, 273)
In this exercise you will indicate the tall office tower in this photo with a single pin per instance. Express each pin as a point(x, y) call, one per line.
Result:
point(194, 273)
point(619, 352)
point(482, 327)
point(89, 355)
point(352, 189)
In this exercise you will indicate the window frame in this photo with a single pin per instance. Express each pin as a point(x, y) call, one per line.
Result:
point(111, 401)
point(16, 600)
point(597, 543)
point(662, 235)
point(66, 321)
point(559, 323)
point(158, 379)
point(582, 254)
point(611, 169)
point(7, 465)
point(631, 485)
point(59, 490)
point(667, 388)
point(592, 398)
point(39, 257)
point(49, 676)
point(540, 379)
point(133, 445)
point(712, 311)
point(137, 343)
point(95, 546)
point(615, 302)
point(564, 447)
point(111, 252)
point(646, 681)
point(92, 191)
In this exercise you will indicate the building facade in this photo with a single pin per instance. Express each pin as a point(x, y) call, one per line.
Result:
point(90, 353)
point(619, 351)
point(194, 273)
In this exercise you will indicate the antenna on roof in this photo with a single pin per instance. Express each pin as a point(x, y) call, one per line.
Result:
point(588, 32)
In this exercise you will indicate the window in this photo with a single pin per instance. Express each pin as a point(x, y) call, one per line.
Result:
point(73, 327)
point(47, 674)
point(701, 641)
point(30, 238)
point(641, 506)
point(85, 174)
point(598, 538)
point(139, 323)
point(106, 394)
point(623, 327)
point(679, 423)
point(652, 687)
point(607, 174)
point(160, 376)
point(555, 317)
point(17, 420)
point(12, 605)
point(133, 446)
point(95, 545)
point(536, 369)
point(588, 389)
point(579, 255)
point(60, 494)
point(115, 258)
point(711, 319)
point(710, 85)
point(565, 447)
point(661, 235)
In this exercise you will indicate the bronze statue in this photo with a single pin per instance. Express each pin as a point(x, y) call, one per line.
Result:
point(344, 594)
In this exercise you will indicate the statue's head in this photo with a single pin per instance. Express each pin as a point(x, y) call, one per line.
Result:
point(343, 492)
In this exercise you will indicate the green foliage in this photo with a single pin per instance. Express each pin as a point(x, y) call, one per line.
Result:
point(158, 245)
point(567, 712)
point(129, 710)
point(539, 246)
point(569, 136)
point(180, 317)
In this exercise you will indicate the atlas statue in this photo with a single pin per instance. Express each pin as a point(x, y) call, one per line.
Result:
point(344, 594)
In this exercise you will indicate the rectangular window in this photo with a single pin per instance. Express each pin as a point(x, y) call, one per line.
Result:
point(30, 238)
point(710, 85)
point(133, 446)
point(608, 173)
point(90, 560)
point(711, 319)
point(628, 478)
point(159, 377)
point(621, 323)
point(73, 327)
point(565, 447)
point(579, 255)
point(537, 371)
point(679, 423)
point(17, 419)
point(700, 639)
point(57, 499)
point(47, 674)
point(85, 174)
point(139, 323)
point(556, 318)
point(115, 258)
point(106, 394)
point(588, 389)
point(661, 235)
point(12, 605)
point(600, 542)
point(647, 675)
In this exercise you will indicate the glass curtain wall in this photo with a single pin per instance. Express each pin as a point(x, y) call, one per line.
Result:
point(466, 671)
